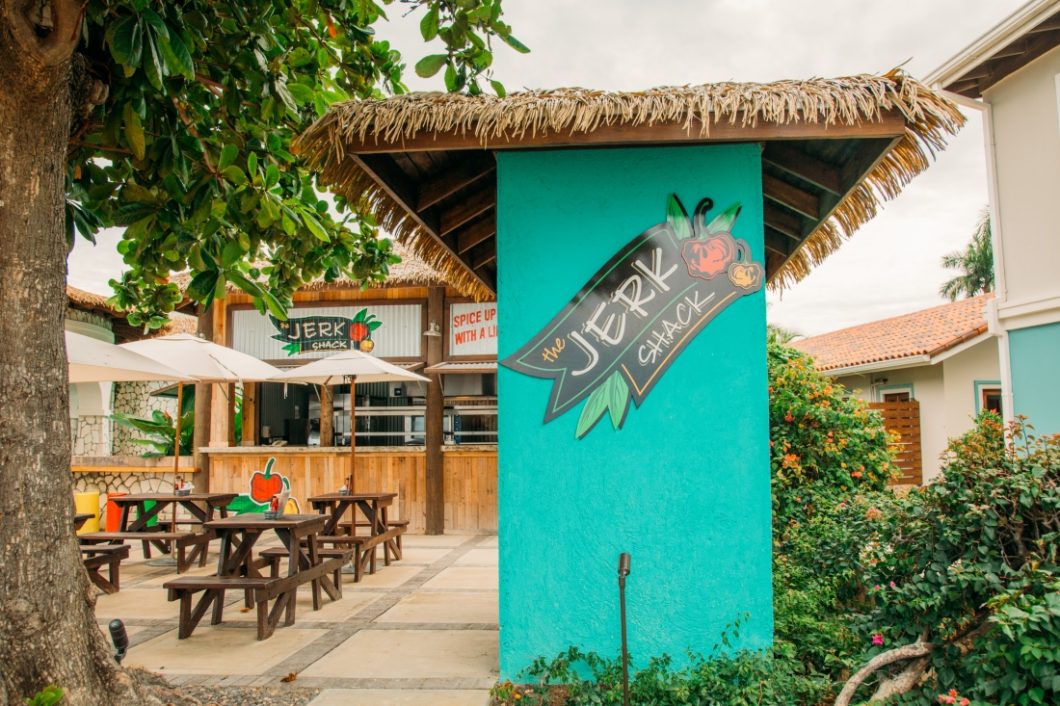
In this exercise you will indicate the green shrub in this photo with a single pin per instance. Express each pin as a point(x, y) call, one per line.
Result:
point(969, 564)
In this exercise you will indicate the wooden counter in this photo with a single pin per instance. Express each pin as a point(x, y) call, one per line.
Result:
point(470, 477)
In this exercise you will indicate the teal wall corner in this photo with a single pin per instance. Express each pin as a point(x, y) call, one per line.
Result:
point(1035, 386)
point(684, 485)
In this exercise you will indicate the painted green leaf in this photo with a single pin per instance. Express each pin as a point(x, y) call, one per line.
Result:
point(430, 65)
point(724, 221)
point(678, 218)
point(593, 410)
point(618, 399)
point(134, 131)
point(373, 325)
point(243, 504)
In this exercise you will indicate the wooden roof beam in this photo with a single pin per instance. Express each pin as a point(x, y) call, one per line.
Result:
point(778, 243)
point(390, 177)
point(785, 194)
point(466, 209)
point(484, 254)
point(890, 124)
point(796, 162)
point(783, 222)
point(449, 181)
point(478, 232)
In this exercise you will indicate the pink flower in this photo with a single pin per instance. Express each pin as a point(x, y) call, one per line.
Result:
point(964, 702)
point(877, 641)
point(877, 587)
point(894, 585)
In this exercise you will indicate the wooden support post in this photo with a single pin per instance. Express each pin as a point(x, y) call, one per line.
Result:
point(220, 420)
point(327, 416)
point(434, 415)
point(250, 414)
point(201, 433)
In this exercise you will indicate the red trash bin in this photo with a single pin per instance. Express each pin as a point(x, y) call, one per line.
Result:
point(113, 516)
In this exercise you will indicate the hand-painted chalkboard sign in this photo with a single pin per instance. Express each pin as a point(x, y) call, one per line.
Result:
point(631, 320)
point(324, 333)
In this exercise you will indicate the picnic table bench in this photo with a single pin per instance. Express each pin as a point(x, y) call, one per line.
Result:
point(382, 532)
point(96, 557)
point(237, 570)
point(188, 546)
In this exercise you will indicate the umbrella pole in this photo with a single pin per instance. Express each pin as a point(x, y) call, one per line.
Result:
point(176, 450)
point(353, 430)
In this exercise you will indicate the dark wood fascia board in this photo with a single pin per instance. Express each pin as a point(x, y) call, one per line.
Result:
point(781, 192)
point(890, 124)
point(392, 180)
point(810, 169)
point(451, 181)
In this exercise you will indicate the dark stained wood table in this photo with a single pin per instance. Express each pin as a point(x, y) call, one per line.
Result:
point(81, 518)
point(237, 569)
point(374, 507)
point(202, 507)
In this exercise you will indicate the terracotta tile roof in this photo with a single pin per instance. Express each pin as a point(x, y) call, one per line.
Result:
point(928, 332)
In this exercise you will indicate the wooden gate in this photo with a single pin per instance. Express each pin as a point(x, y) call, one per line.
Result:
point(904, 418)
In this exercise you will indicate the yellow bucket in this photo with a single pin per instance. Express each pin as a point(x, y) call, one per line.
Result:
point(88, 503)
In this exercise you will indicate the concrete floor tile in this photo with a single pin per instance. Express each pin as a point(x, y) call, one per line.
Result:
point(423, 555)
point(401, 697)
point(448, 607)
point(140, 603)
point(411, 654)
point(220, 650)
point(330, 612)
point(465, 577)
point(478, 557)
point(385, 577)
point(490, 541)
point(433, 540)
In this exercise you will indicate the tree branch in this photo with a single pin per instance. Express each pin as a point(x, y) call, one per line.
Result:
point(898, 654)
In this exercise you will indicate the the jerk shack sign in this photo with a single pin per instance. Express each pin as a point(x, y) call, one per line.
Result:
point(327, 333)
point(631, 320)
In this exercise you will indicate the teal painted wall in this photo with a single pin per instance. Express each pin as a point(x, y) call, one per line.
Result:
point(1033, 353)
point(684, 485)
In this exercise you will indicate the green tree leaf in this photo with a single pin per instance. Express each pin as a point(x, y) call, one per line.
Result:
point(515, 44)
point(178, 58)
point(429, 24)
point(430, 65)
point(134, 131)
point(126, 41)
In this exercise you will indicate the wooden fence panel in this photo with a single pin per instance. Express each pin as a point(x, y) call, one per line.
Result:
point(904, 418)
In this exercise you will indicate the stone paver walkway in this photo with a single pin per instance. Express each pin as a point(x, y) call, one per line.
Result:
point(420, 631)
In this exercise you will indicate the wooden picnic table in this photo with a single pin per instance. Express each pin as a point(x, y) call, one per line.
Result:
point(81, 518)
point(381, 531)
point(201, 506)
point(238, 570)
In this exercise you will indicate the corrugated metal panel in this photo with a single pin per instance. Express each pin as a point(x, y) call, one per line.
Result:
point(399, 336)
point(473, 329)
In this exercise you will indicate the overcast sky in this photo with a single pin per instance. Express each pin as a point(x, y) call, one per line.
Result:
point(891, 266)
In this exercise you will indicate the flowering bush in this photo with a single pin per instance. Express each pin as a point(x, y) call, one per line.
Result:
point(969, 574)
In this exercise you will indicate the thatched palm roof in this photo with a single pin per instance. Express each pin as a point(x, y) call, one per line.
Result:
point(375, 151)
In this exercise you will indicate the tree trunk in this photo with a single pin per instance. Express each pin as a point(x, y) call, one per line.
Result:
point(48, 629)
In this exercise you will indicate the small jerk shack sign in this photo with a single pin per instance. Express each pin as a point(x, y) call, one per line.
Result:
point(630, 321)
point(327, 333)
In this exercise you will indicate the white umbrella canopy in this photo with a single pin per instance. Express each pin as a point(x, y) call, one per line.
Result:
point(202, 360)
point(92, 360)
point(351, 366)
point(353, 363)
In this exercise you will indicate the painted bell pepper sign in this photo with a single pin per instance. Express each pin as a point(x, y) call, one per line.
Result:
point(631, 320)
point(327, 333)
point(263, 486)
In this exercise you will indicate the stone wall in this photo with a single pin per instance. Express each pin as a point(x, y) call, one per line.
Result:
point(135, 398)
point(91, 435)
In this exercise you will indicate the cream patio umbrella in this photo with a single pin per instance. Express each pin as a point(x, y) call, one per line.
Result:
point(350, 366)
point(92, 360)
point(201, 361)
